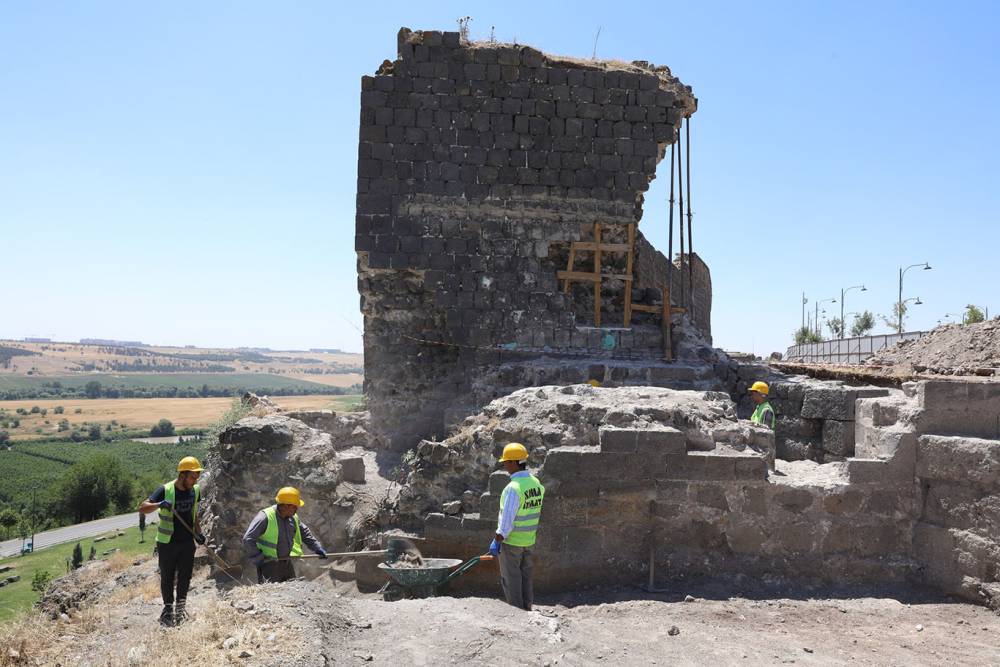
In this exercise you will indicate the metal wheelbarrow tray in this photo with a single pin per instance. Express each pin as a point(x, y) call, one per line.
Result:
point(429, 580)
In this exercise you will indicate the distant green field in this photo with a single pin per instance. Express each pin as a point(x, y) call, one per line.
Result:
point(141, 385)
point(18, 597)
point(35, 467)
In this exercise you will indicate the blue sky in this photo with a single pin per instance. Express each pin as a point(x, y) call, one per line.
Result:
point(184, 172)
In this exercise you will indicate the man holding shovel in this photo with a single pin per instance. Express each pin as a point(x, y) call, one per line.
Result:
point(520, 510)
point(176, 540)
point(275, 537)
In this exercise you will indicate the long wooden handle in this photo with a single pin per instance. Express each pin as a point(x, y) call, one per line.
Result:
point(342, 554)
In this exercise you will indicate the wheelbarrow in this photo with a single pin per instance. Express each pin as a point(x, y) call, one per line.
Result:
point(429, 580)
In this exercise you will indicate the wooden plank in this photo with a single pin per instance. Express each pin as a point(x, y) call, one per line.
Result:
point(628, 271)
point(605, 247)
point(569, 267)
point(597, 270)
point(592, 277)
point(644, 308)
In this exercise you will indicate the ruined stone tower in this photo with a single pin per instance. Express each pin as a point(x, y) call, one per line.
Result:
point(479, 164)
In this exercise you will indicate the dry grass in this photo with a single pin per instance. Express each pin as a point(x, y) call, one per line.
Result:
point(121, 630)
point(144, 412)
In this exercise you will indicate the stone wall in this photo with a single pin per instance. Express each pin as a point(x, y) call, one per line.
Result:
point(478, 165)
point(910, 506)
point(815, 418)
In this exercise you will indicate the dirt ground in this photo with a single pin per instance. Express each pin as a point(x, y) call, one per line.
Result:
point(951, 349)
point(325, 622)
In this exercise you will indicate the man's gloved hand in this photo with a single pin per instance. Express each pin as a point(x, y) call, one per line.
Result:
point(165, 505)
point(494, 547)
point(199, 538)
point(322, 554)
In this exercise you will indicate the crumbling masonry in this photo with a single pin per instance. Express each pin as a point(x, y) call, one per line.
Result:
point(479, 164)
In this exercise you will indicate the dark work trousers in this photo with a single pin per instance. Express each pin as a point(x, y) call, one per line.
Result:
point(515, 575)
point(275, 571)
point(176, 563)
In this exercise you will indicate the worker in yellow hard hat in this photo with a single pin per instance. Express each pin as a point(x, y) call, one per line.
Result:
point(763, 414)
point(276, 535)
point(517, 524)
point(175, 540)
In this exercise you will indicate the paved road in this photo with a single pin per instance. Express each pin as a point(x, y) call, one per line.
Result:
point(73, 533)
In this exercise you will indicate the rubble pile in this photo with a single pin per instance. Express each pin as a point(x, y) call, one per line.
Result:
point(952, 349)
point(546, 418)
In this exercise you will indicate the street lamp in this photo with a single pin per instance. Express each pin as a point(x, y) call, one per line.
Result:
point(817, 303)
point(900, 302)
point(842, 293)
point(804, 302)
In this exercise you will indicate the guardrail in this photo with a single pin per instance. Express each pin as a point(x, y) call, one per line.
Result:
point(847, 350)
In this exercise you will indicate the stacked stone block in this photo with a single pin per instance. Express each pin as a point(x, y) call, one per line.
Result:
point(478, 164)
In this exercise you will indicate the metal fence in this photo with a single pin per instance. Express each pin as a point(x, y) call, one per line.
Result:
point(847, 350)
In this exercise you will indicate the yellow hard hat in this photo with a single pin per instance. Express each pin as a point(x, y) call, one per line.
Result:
point(593, 383)
point(515, 451)
point(759, 387)
point(189, 464)
point(289, 495)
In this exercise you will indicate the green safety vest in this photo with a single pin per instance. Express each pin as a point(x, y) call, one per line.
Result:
point(758, 415)
point(268, 541)
point(166, 528)
point(531, 492)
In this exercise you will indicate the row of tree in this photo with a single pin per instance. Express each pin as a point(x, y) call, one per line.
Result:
point(864, 322)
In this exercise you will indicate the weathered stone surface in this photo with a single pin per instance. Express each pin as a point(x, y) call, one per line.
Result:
point(835, 402)
point(259, 455)
point(353, 469)
point(473, 180)
point(838, 437)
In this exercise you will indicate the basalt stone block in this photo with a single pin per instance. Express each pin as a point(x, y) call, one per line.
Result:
point(838, 437)
point(353, 469)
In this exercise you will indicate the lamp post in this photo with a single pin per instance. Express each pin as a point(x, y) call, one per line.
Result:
point(844, 291)
point(900, 302)
point(804, 301)
point(916, 302)
point(817, 303)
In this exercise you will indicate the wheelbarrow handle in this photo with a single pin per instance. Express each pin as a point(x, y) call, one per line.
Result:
point(464, 567)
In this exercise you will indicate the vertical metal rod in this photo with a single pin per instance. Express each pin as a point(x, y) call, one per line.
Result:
point(680, 207)
point(690, 241)
point(670, 239)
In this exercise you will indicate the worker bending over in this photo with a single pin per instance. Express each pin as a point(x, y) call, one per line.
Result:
point(520, 510)
point(275, 536)
point(175, 541)
point(763, 414)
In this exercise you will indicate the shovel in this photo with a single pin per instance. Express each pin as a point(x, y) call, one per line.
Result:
point(397, 547)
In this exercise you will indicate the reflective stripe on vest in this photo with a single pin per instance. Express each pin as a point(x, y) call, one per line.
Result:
point(166, 528)
point(530, 493)
point(758, 414)
point(268, 541)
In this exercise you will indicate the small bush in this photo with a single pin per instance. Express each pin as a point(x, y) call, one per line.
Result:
point(58, 409)
point(40, 582)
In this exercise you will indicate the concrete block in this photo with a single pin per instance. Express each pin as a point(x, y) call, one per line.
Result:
point(441, 526)
point(664, 440)
point(353, 469)
point(958, 459)
point(750, 468)
point(499, 480)
point(967, 408)
point(617, 440)
point(793, 499)
point(745, 537)
point(833, 402)
point(838, 437)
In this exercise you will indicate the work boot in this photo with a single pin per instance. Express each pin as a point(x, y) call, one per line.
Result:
point(167, 616)
point(180, 613)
